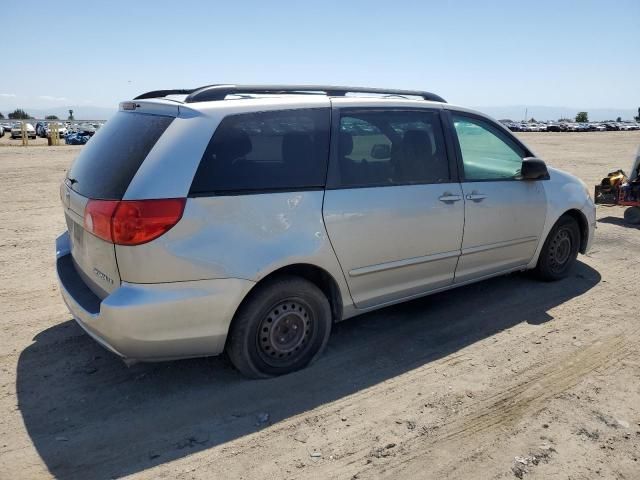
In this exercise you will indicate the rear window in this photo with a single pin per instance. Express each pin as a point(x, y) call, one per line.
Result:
point(108, 162)
point(256, 152)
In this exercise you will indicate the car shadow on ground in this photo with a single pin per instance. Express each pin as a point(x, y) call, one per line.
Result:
point(89, 416)
point(618, 221)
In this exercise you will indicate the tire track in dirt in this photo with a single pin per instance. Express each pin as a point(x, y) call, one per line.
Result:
point(506, 408)
point(492, 416)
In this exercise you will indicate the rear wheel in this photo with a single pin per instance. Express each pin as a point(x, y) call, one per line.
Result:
point(560, 250)
point(282, 327)
point(632, 215)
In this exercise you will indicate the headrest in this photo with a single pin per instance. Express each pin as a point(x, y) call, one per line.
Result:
point(417, 139)
point(234, 143)
point(346, 144)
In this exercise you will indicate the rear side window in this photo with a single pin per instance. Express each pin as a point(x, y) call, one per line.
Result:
point(108, 162)
point(254, 152)
point(390, 147)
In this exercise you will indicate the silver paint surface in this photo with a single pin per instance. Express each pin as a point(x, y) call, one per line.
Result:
point(176, 296)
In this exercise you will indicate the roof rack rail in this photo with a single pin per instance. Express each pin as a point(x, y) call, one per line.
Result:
point(164, 93)
point(219, 92)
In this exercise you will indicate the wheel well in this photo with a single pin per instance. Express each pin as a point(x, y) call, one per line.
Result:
point(579, 217)
point(320, 278)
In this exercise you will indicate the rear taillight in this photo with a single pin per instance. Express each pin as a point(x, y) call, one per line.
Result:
point(132, 222)
point(97, 218)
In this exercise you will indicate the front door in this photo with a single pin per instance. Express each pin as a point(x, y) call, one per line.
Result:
point(392, 211)
point(504, 215)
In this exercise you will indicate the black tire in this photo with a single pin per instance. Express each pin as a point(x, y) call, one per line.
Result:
point(560, 250)
point(632, 215)
point(282, 326)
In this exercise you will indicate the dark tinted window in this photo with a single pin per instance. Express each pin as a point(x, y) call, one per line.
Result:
point(391, 147)
point(112, 157)
point(266, 151)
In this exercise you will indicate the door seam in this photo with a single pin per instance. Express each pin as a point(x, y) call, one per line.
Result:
point(464, 225)
point(326, 231)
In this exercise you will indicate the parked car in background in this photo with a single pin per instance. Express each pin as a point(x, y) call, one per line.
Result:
point(77, 138)
point(84, 128)
point(16, 131)
point(514, 127)
point(244, 225)
point(41, 129)
point(62, 129)
point(1, 131)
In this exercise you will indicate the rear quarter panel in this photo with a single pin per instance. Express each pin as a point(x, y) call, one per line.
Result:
point(243, 236)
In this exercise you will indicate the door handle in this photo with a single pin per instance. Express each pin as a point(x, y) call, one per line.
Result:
point(476, 197)
point(449, 198)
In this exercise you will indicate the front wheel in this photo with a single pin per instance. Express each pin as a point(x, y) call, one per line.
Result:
point(560, 250)
point(282, 327)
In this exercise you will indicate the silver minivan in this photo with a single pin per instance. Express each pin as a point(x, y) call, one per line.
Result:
point(248, 219)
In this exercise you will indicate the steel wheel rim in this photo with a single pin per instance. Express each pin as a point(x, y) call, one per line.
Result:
point(560, 251)
point(285, 332)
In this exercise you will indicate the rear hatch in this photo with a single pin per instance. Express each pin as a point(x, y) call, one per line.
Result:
point(103, 171)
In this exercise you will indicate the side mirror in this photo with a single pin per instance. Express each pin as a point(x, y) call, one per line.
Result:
point(380, 151)
point(533, 169)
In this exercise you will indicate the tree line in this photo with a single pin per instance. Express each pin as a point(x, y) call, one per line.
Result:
point(20, 114)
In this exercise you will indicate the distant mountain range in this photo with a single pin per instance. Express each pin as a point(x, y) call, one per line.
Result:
point(517, 112)
point(514, 112)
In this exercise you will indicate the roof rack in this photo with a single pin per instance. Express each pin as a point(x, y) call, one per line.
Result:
point(219, 92)
point(164, 93)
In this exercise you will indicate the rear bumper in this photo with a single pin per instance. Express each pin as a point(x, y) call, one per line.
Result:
point(151, 322)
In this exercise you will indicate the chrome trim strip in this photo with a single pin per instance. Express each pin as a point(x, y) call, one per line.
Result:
point(352, 311)
point(493, 246)
point(356, 272)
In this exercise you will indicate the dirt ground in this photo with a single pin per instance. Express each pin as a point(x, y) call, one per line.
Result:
point(510, 378)
point(6, 140)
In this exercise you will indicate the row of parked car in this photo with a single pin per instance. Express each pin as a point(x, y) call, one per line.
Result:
point(570, 126)
point(15, 130)
point(73, 133)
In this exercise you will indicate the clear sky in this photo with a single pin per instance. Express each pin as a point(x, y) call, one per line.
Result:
point(537, 52)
